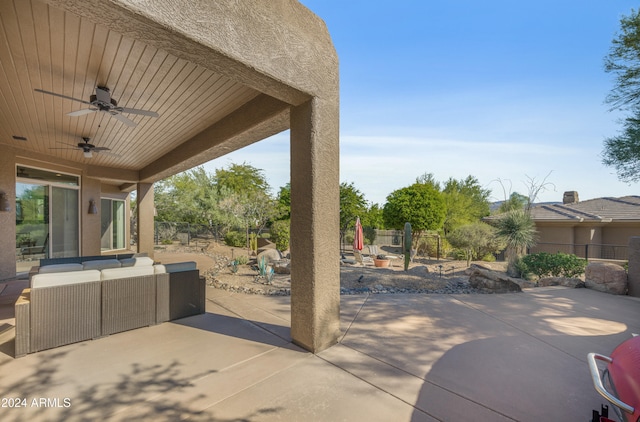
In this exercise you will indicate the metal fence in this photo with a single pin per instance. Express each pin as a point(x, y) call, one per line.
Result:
point(185, 233)
point(587, 251)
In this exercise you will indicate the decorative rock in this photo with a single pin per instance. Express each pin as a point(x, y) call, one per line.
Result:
point(282, 266)
point(492, 281)
point(561, 281)
point(271, 255)
point(606, 277)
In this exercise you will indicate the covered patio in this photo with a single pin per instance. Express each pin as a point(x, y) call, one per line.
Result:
point(400, 357)
point(101, 99)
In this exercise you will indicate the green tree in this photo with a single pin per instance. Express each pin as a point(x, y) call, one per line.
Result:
point(284, 202)
point(516, 201)
point(466, 202)
point(623, 151)
point(241, 178)
point(190, 197)
point(352, 205)
point(519, 233)
point(476, 240)
point(420, 204)
point(249, 203)
point(372, 220)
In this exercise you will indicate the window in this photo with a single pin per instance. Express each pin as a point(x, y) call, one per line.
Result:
point(113, 224)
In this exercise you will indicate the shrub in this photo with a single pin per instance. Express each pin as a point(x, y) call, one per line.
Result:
point(235, 239)
point(489, 258)
point(242, 260)
point(544, 264)
point(281, 233)
point(369, 234)
point(428, 246)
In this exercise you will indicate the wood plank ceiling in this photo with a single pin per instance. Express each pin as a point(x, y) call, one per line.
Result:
point(44, 48)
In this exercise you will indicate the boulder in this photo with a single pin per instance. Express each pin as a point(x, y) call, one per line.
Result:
point(560, 281)
point(282, 267)
point(492, 281)
point(270, 255)
point(606, 277)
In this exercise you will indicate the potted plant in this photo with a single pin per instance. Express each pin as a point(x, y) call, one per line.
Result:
point(381, 261)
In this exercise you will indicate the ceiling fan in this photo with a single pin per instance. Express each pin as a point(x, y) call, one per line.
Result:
point(102, 101)
point(87, 148)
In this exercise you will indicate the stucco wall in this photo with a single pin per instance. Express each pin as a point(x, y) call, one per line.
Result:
point(8, 219)
point(619, 234)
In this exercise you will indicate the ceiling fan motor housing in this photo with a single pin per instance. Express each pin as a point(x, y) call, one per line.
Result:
point(101, 104)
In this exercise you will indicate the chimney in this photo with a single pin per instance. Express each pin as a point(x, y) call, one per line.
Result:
point(570, 197)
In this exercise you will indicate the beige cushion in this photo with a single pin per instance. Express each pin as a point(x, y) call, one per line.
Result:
point(60, 268)
point(181, 266)
point(136, 261)
point(159, 269)
point(125, 272)
point(59, 279)
point(101, 264)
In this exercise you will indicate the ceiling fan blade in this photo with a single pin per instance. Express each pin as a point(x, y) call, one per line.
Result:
point(101, 149)
point(73, 146)
point(124, 120)
point(61, 96)
point(103, 95)
point(137, 111)
point(81, 112)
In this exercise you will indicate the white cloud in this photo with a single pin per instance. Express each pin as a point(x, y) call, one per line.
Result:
point(378, 165)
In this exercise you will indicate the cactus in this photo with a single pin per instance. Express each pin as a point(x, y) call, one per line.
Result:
point(253, 242)
point(234, 266)
point(262, 266)
point(269, 275)
point(406, 248)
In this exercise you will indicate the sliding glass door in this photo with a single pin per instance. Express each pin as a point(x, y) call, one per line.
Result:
point(47, 216)
point(64, 223)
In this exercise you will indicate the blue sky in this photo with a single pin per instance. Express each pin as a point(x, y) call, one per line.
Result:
point(500, 90)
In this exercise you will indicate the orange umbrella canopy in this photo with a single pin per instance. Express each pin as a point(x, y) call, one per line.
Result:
point(358, 237)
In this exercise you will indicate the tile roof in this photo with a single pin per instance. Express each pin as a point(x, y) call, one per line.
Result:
point(626, 208)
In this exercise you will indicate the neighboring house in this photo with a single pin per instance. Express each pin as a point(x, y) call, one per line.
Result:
point(600, 227)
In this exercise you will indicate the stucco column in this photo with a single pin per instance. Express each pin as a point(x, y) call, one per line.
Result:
point(8, 219)
point(91, 228)
point(145, 218)
point(634, 266)
point(315, 210)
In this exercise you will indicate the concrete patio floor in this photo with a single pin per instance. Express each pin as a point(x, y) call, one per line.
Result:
point(401, 358)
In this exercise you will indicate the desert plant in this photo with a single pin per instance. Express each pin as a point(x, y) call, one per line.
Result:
point(233, 266)
point(519, 233)
point(475, 240)
point(235, 239)
point(544, 264)
point(280, 233)
point(253, 242)
point(242, 260)
point(262, 266)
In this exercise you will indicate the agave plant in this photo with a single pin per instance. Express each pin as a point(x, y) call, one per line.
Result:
point(519, 232)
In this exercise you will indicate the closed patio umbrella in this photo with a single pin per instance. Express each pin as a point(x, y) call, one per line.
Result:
point(358, 236)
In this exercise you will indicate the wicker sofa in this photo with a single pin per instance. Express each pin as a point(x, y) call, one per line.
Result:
point(68, 302)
